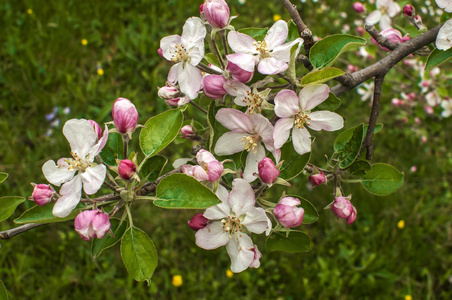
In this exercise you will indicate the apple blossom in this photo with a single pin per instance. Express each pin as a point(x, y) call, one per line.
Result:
point(216, 13)
point(213, 86)
point(295, 112)
point(42, 194)
point(288, 213)
point(188, 132)
point(245, 96)
point(197, 222)
point(317, 179)
point(186, 52)
point(267, 170)
point(392, 35)
point(247, 133)
point(230, 225)
point(386, 9)
point(92, 223)
point(445, 4)
point(85, 146)
point(342, 207)
point(126, 169)
point(446, 104)
point(97, 128)
point(270, 55)
point(408, 10)
point(352, 217)
point(444, 37)
point(125, 115)
point(209, 167)
point(359, 7)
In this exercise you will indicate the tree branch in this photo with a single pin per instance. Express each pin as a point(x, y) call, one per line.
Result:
point(7, 234)
point(379, 38)
point(303, 30)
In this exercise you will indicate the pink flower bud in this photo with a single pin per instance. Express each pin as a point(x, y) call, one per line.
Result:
point(238, 73)
point(42, 194)
point(417, 120)
point(97, 128)
point(359, 7)
point(172, 102)
point(361, 30)
point(408, 10)
point(424, 139)
point(267, 170)
point(418, 21)
point(126, 169)
point(168, 92)
point(187, 132)
point(92, 223)
point(317, 179)
point(352, 68)
point(201, 8)
point(160, 52)
point(216, 13)
point(351, 218)
point(288, 213)
point(412, 96)
point(213, 86)
point(214, 170)
point(125, 115)
point(428, 109)
point(397, 102)
point(342, 207)
point(413, 169)
point(197, 222)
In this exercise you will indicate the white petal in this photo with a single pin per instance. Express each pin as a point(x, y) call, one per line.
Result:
point(373, 18)
point(283, 52)
point(241, 198)
point(212, 236)
point(93, 178)
point(271, 66)
point(196, 53)
point(230, 143)
point(385, 22)
point(256, 220)
point(56, 174)
point(234, 120)
point(301, 140)
point(445, 4)
point(241, 43)
point(71, 193)
point(282, 131)
point(222, 193)
point(313, 95)
point(444, 37)
point(236, 88)
point(240, 253)
point(99, 145)
point(190, 80)
point(245, 61)
point(193, 32)
point(325, 120)
point(218, 211)
point(252, 162)
point(277, 34)
point(286, 104)
point(168, 46)
point(80, 135)
point(393, 9)
point(263, 127)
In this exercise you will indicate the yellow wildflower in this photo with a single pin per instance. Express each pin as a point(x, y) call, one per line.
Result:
point(229, 273)
point(401, 225)
point(29, 11)
point(100, 71)
point(84, 42)
point(408, 297)
point(276, 17)
point(177, 280)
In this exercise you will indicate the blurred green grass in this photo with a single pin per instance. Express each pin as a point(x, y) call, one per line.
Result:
point(44, 64)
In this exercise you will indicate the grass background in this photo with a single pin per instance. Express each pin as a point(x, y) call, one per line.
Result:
point(44, 65)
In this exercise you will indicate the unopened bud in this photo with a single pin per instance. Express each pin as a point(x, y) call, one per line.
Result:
point(317, 179)
point(187, 132)
point(238, 73)
point(352, 217)
point(288, 213)
point(125, 115)
point(168, 92)
point(213, 86)
point(342, 207)
point(216, 13)
point(267, 170)
point(42, 194)
point(197, 222)
point(126, 169)
point(92, 223)
point(408, 10)
point(359, 7)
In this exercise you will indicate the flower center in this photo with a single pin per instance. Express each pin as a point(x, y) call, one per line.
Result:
point(250, 142)
point(232, 225)
point(77, 164)
point(180, 54)
point(254, 102)
point(301, 118)
point(262, 48)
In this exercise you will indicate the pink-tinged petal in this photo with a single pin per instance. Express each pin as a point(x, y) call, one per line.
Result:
point(240, 253)
point(215, 169)
point(241, 198)
point(373, 18)
point(196, 53)
point(222, 194)
point(325, 120)
point(245, 61)
point(313, 95)
point(236, 88)
point(252, 162)
point(168, 46)
point(301, 140)
point(282, 131)
point(99, 145)
point(203, 157)
point(385, 22)
point(173, 74)
point(101, 224)
point(80, 135)
point(277, 155)
point(82, 224)
point(190, 80)
point(193, 32)
point(286, 104)
point(230, 143)
point(256, 220)
point(200, 174)
point(234, 120)
point(93, 178)
point(257, 256)
point(71, 193)
point(242, 43)
point(277, 34)
point(283, 52)
point(271, 66)
point(57, 174)
point(212, 236)
point(393, 9)
point(263, 127)
point(219, 211)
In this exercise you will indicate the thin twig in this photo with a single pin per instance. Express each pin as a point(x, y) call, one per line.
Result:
point(198, 107)
point(380, 38)
point(225, 43)
point(217, 53)
point(7, 234)
point(206, 69)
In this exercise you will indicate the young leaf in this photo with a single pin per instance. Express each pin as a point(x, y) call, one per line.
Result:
point(212, 59)
point(183, 191)
point(437, 57)
point(359, 167)
point(8, 205)
point(160, 130)
point(118, 229)
point(113, 149)
point(351, 149)
point(294, 163)
point(382, 179)
point(296, 242)
point(293, 31)
point(346, 135)
point(3, 292)
point(327, 50)
point(320, 76)
point(138, 254)
point(3, 176)
point(310, 212)
point(43, 215)
point(152, 168)
point(331, 103)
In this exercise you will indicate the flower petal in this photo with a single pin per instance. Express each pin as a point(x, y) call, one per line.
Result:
point(234, 120)
point(252, 162)
point(373, 18)
point(283, 52)
point(93, 178)
point(212, 236)
point(190, 80)
point(71, 193)
point(99, 145)
point(193, 32)
point(230, 143)
point(325, 120)
point(241, 198)
point(301, 140)
point(244, 60)
point(168, 46)
point(240, 253)
point(57, 174)
point(256, 220)
point(218, 211)
point(282, 131)
point(444, 37)
point(241, 43)
point(236, 88)
point(286, 104)
point(80, 135)
point(271, 66)
point(277, 34)
point(313, 95)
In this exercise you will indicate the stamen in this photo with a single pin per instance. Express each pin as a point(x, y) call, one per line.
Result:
point(301, 118)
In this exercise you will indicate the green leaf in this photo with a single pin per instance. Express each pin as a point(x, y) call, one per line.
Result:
point(331, 103)
point(320, 76)
point(445, 16)
point(212, 59)
point(359, 167)
point(43, 215)
point(296, 242)
point(346, 135)
point(3, 292)
point(293, 31)
point(3, 176)
point(118, 229)
point(382, 179)
point(152, 168)
point(216, 129)
point(114, 149)
point(8, 205)
point(160, 130)
point(294, 163)
point(138, 254)
point(310, 212)
point(351, 149)
point(183, 191)
point(437, 57)
point(327, 50)
point(256, 33)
